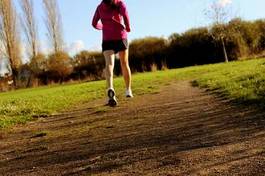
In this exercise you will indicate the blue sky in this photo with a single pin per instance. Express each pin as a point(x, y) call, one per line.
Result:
point(148, 18)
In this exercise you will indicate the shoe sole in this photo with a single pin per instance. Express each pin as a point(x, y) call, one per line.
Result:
point(112, 102)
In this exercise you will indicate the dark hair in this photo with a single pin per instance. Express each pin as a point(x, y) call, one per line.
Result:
point(111, 3)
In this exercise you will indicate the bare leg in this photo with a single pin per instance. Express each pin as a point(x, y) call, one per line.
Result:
point(126, 71)
point(109, 58)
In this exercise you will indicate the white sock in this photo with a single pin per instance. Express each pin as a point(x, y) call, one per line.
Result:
point(129, 92)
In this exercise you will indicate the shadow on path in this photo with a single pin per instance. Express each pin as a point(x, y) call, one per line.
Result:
point(180, 131)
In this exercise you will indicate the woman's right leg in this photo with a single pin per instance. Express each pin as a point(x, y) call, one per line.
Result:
point(109, 59)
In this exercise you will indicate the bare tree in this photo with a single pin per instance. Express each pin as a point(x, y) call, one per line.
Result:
point(2, 48)
point(53, 23)
point(30, 26)
point(9, 35)
point(219, 14)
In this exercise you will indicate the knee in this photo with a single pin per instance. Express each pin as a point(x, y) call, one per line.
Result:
point(109, 74)
point(124, 64)
point(109, 70)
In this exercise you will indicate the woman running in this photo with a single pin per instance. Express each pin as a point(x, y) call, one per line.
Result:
point(108, 18)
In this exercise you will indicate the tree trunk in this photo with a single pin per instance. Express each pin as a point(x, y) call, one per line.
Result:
point(224, 50)
point(29, 80)
point(62, 80)
point(14, 78)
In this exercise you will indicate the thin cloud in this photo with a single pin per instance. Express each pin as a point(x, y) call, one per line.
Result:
point(224, 3)
point(76, 47)
point(44, 47)
point(3, 66)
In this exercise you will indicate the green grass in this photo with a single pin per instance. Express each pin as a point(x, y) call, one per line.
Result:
point(240, 81)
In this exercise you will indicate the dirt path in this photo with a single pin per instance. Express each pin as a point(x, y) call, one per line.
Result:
point(180, 131)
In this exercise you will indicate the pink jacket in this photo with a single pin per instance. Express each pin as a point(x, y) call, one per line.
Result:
point(111, 21)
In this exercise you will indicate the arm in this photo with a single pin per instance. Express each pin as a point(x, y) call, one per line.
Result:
point(95, 22)
point(125, 15)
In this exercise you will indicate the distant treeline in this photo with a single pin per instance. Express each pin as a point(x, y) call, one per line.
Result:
point(199, 46)
point(243, 39)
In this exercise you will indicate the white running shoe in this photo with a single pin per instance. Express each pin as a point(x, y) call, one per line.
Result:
point(112, 98)
point(128, 93)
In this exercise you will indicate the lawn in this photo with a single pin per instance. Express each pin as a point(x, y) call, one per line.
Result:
point(241, 81)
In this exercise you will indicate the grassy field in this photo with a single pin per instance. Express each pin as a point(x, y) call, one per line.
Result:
point(242, 82)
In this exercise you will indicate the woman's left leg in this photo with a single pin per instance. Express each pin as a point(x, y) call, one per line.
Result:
point(126, 71)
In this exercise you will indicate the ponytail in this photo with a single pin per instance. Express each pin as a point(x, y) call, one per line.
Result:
point(111, 3)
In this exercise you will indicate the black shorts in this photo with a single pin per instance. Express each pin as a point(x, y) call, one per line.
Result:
point(115, 45)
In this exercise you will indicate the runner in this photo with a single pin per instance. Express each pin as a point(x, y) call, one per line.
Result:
point(108, 18)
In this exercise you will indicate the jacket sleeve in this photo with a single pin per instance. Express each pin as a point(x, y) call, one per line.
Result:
point(125, 15)
point(95, 22)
